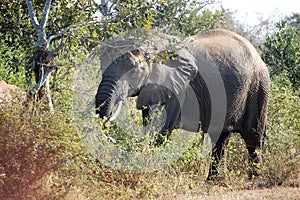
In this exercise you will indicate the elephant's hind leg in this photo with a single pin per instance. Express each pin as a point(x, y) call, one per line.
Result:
point(254, 127)
point(253, 141)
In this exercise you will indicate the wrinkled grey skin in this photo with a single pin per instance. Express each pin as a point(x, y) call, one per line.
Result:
point(183, 86)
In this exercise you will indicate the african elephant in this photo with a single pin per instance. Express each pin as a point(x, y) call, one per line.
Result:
point(215, 81)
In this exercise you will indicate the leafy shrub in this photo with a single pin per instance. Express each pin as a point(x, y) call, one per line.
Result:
point(283, 146)
point(282, 52)
point(8, 71)
point(35, 150)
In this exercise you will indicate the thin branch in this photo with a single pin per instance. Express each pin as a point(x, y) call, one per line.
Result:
point(104, 8)
point(59, 47)
point(96, 42)
point(45, 14)
point(63, 31)
point(83, 38)
point(53, 53)
point(32, 14)
point(42, 81)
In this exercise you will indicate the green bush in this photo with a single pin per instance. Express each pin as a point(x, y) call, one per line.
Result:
point(281, 52)
point(8, 70)
point(283, 146)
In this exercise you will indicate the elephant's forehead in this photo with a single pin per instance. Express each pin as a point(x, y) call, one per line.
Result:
point(109, 51)
point(122, 64)
point(112, 58)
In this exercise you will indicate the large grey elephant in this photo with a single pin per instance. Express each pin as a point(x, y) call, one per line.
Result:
point(214, 81)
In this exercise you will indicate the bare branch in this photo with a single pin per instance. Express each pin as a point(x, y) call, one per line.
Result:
point(42, 81)
point(63, 31)
point(53, 53)
point(105, 7)
point(59, 47)
point(32, 14)
point(45, 15)
point(39, 28)
point(83, 38)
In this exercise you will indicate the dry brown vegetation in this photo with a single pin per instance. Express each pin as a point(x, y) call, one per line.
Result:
point(43, 157)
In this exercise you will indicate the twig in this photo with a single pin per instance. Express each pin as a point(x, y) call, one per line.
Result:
point(83, 38)
point(63, 31)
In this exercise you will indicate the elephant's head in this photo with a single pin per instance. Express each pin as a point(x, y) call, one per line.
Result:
point(153, 79)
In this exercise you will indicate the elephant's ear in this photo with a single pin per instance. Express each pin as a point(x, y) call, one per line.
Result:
point(168, 80)
point(152, 94)
point(184, 71)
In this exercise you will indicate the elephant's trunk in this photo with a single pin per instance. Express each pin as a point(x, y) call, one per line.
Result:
point(105, 97)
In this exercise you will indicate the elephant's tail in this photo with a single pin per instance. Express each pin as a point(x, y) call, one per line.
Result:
point(263, 103)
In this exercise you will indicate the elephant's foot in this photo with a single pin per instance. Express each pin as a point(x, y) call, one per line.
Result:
point(255, 162)
point(212, 176)
point(159, 140)
point(213, 173)
point(254, 171)
point(253, 174)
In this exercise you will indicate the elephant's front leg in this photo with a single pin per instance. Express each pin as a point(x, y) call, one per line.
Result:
point(146, 116)
point(173, 114)
point(217, 154)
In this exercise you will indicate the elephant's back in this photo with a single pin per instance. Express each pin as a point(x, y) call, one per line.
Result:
point(222, 38)
point(226, 50)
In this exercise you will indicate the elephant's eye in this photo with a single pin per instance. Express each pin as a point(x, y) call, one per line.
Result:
point(135, 52)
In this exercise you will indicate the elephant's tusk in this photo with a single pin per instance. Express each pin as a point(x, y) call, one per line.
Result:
point(89, 106)
point(115, 115)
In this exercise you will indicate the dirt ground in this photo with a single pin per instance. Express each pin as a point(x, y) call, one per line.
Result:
point(290, 193)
